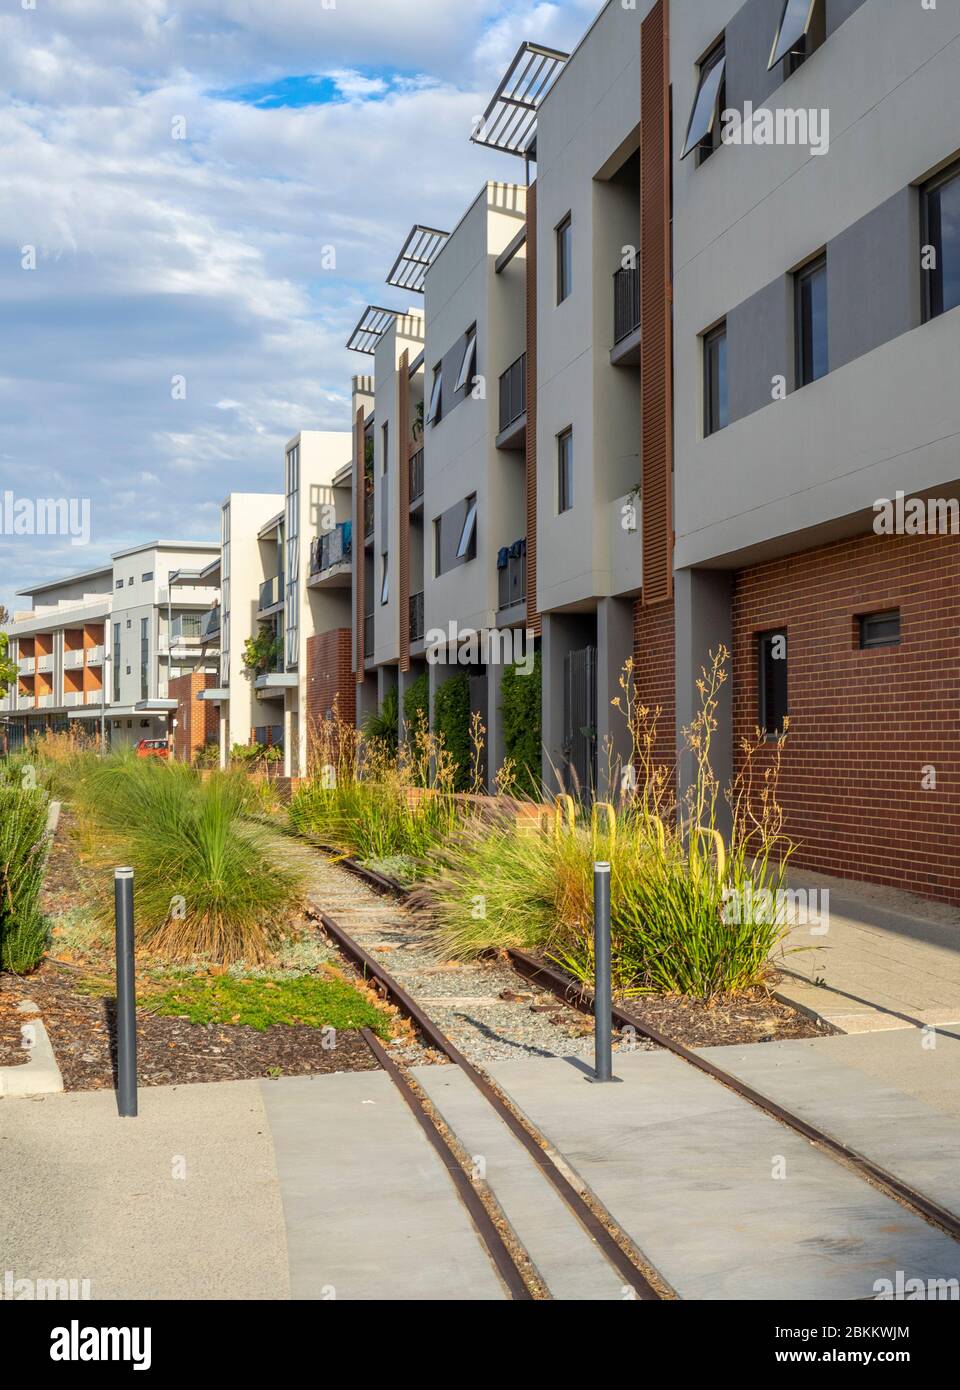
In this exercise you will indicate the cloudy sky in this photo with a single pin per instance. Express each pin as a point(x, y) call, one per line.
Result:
point(308, 124)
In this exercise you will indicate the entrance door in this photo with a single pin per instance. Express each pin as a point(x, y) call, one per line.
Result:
point(580, 720)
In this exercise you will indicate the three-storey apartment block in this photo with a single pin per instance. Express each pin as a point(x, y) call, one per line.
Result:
point(102, 648)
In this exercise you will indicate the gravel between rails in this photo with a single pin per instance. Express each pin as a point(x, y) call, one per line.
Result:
point(464, 1000)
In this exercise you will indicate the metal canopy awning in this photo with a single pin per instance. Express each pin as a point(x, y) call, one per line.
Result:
point(420, 250)
point(510, 121)
point(374, 321)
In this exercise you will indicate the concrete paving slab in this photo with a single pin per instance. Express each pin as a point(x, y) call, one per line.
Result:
point(726, 1202)
point(888, 959)
point(894, 1097)
point(180, 1202)
point(569, 1262)
point(370, 1211)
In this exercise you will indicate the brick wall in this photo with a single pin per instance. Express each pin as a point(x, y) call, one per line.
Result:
point(864, 724)
point(198, 721)
point(329, 676)
point(654, 665)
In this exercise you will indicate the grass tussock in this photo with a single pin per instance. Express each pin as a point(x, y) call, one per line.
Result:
point(24, 844)
point(209, 881)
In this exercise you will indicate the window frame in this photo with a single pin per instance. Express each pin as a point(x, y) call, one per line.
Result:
point(468, 364)
point(763, 693)
point(713, 423)
point(867, 643)
point(814, 27)
point(563, 244)
point(565, 471)
point(435, 410)
point(384, 579)
point(801, 278)
point(928, 277)
point(716, 56)
point(384, 448)
point(467, 544)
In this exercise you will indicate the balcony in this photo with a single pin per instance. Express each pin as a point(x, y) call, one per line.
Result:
point(368, 514)
point(45, 662)
point(513, 413)
point(416, 476)
point(93, 697)
point(26, 665)
point(95, 656)
point(72, 660)
point(73, 697)
point(626, 318)
point(416, 617)
point(210, 626)
point(512, 575)
point(269, 594)
point(331, 557)
point(44, 702)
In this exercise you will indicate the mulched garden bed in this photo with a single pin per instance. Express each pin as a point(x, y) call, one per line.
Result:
point(172, 1051)
point(752, 1017)
point(12, 1052)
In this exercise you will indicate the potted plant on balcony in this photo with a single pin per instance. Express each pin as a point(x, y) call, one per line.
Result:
point(261, 653)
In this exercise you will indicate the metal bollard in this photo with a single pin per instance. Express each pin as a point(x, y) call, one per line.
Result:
point(126, 994)
point(602, 988)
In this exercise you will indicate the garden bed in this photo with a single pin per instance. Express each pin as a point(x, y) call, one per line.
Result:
point(751, 1017)
point(12, 1051)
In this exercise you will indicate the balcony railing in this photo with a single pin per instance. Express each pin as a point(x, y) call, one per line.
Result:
point(512, 574)
point(93, 697)
point(95, 656)
point(73, 697)
point(210, 626)
point(416, 476)
point(45, 663)
point(368, 514)
point(626, 303)
point(368, 636)
point(269, 593)
point(186, 629)
point(332, 548)
point(27, 665)
point(513, 392)
point(72, 659)
point(416, 617)
point(44, 701)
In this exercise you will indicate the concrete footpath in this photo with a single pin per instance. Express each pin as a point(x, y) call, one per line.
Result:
point(887, 959)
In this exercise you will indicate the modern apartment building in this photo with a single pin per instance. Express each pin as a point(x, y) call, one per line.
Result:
point(102, 647)
point(285, 564)
point(816, 322)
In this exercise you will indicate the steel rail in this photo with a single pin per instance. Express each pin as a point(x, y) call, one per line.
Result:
point(634, 1275)
point(481, 1218)
point(572, 992)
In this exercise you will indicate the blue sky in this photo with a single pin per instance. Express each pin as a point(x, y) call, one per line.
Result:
point(307, 124)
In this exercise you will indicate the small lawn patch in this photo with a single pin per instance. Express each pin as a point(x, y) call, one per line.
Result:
point(262, 1004)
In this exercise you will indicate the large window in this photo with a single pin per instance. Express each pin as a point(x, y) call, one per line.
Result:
point(564, 259)
point(715, 380)
point(772, 706)
point(467, 545)
point(565, 471)
point(703, 129)
point(940, 253)
point(811, 318)
point(465, 374)
point(802, 29)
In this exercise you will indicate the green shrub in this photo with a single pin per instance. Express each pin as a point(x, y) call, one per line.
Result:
point(384, 725)
point(520, 697)
point(416, 703)
point(208, 881)
point(23, 855)
point(451, 724)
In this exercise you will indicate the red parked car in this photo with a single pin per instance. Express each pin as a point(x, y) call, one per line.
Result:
point(153, 748)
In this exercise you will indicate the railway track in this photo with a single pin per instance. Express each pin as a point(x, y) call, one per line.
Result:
point(572, 993)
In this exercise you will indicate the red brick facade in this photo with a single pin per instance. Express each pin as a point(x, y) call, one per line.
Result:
point(197, 720)
point(654, 665)
point(864, 724)
point(329, 677)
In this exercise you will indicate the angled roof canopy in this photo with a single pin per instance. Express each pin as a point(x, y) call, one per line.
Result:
point(373, 322)
point(420, 250)
point(510, 121)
